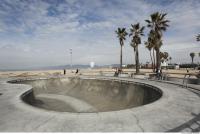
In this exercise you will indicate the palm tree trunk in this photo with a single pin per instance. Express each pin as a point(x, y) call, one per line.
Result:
point(151, 59)
point(158, 59)
point(137, 60)
point(121, 57)
point(154, 61)
point(134, 56)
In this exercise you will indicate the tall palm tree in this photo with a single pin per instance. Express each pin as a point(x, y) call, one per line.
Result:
point(121, 34)
point(151, 42)
point(158, 24)
point(136, 32)
point(198, 37)
point(192, 55)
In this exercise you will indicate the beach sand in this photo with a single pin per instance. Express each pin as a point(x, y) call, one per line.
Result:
point(43, 73)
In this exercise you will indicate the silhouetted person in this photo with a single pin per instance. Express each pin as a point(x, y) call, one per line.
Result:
point(120, 70)
point(116, 72)
point(76, 71)
point(64, 71)
point(161, 75)
point(187, 71)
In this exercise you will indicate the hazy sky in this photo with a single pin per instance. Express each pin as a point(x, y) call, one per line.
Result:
point(40, 32)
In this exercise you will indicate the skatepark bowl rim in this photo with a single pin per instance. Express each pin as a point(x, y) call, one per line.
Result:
point(30, 98)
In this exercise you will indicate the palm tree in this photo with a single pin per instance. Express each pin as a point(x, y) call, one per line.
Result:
point(151, 42)
point(164, 56)
point(198, 37)
point(136, 32)
point(158, 24)
point(170, 58)
point(192, 56)
point(121, 34)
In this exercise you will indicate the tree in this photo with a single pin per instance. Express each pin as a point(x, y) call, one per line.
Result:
point(121, 34)
point(157, 24)
point(164, 56)
point(136, 32)
point(151, 44)
point(198, 37)
point(170, 58)
point(192, 55)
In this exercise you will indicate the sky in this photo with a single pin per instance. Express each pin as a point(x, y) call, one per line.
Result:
point(37, 33)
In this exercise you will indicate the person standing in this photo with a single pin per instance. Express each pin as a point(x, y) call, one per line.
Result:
point(64, 71)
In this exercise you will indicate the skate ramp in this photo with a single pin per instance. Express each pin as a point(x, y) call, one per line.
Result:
point(88, 95)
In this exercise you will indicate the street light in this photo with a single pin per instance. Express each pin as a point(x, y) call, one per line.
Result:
point(70, 51)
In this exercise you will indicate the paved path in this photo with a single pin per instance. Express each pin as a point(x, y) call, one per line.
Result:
point(177, 110)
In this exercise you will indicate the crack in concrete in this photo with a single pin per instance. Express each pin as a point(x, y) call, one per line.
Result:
point(44, 122)
point(138, 122)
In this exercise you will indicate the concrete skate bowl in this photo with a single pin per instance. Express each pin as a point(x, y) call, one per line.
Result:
point(88, 95)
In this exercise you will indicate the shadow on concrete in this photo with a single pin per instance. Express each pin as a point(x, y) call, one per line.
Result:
point(192, 125)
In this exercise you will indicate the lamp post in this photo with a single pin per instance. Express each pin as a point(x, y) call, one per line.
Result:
point(70, 51)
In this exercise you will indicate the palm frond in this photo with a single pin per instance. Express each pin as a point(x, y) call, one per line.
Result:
point(148, 21)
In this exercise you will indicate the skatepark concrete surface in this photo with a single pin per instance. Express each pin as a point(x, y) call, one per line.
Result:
point(175, 109)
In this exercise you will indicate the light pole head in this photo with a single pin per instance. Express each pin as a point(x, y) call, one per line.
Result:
point(92, 64)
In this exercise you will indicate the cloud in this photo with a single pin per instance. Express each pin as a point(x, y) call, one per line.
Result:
point(41, 32)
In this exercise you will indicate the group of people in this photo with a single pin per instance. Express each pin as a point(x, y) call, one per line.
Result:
point(117, 72)
point(159, 74)
point(64, 71)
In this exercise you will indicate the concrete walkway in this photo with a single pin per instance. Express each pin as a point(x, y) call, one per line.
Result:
point(177, 110)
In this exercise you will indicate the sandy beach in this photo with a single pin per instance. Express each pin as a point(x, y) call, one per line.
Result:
point(42, 73)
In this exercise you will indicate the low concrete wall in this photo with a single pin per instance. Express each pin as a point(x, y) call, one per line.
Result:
point(189, 81)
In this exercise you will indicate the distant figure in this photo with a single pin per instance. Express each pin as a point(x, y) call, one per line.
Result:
point(187, 71)
point(64, 71)
point(161, 75)
point(158, 73)
point(186, 77)
point(76, 71)
point(116, 72)
point(119, 70)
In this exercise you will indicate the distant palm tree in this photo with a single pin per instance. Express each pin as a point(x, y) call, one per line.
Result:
point(121, 34)
point(158, 24)
point(136, 32)
point(198, 37)
point(164, 56)
point(192, 55)
point(170, 58)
